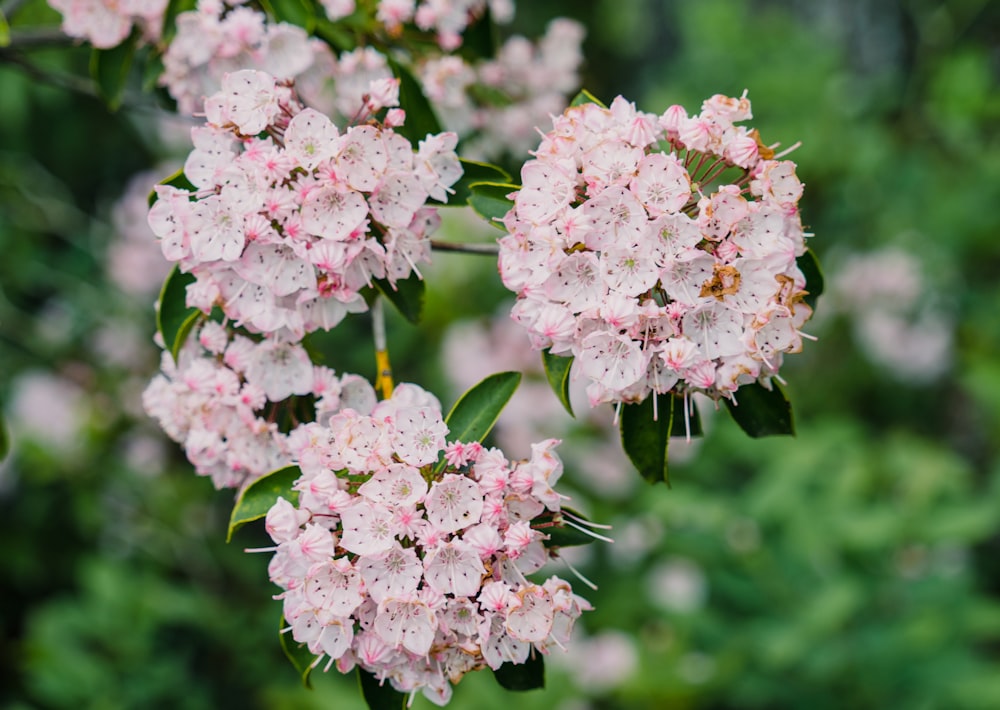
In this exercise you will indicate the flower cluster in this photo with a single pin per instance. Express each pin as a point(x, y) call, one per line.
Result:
point(232, 403)
point(220, 37)
point(290, 218)
point(447, 18)
point(494, 105)
point(659, 251)
point(106, 23)
point(414, 570)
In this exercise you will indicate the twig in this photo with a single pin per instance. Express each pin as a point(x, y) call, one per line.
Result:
point(483, 249)
point(35, 37)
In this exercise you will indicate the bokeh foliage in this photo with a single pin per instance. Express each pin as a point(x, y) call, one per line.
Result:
point(852, 566)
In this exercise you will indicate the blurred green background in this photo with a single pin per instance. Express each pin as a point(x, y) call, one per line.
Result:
point(854, 566)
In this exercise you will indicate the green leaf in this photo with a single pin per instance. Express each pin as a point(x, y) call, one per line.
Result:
point(680, 427)
point(762, 412)
point(809, 266)
point(476, 411)
point(380, 696)
point(178, 180)
point(557, 369)
point(174, 319)
point(473, 172)
point(4, 31)
point(295, 12)
point(257, 498)
point(420, 117)
point(490, 200)
point(644, 439)
point(109, 69)
point(529, 675)
point(481, 39)
point(297, 653)
point(407, 296)
point(585, 97)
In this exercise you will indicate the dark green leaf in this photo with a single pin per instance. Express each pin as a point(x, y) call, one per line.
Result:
point(476, 411)
point(562, 535)
point(585, 97)
point(407, 296)
point(480, 39)
point(529, 675)
point(109, 69)
point(380, 696)
point(484, 95)
point(645, 439)
point(809, 266)
point(178, 180)
point(420, 117)
point(473, 172)
point(299, 655)
point(490, 200)
point(174, 319)
point(557, 369)
point(257, 498)
point(693, 424)
point(294, 12)
point(762, 412)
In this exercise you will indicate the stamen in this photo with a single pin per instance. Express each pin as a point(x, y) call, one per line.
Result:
point(588, 523)
point(585, 531)
point(579, 576)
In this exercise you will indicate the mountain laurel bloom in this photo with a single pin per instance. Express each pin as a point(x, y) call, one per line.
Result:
point(658, 251)
point(413, 570)
point(290, 217)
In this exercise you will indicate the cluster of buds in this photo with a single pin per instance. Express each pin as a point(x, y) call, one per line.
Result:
point(406, 555)
point(290, 218)
point(659, 251)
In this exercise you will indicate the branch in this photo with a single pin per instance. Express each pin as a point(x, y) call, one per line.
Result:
point(10, 8)
point(36, 37)
point(482, 249)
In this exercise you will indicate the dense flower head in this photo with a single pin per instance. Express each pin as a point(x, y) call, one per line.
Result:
point(659, 251)
point(290, 217)
point(495, 104)
point(446, 18)
point(235, 404)
point(220, 37)
point(411, 569)
point(106, 23)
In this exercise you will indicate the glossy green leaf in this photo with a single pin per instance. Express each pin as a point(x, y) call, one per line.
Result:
point(529, 675)
point(585, 97)
point(557, 368)
point(644, 439)
point(420, 117)
point(380, 696)
point(490, 200)
point(297, 653)
point(174, 320)
point(109, 69)
point(473, 172)
point(474, 414)
point(761, 411)
point(257, 498)
point(407, 296)
point(809, 266)
point(682, 428)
